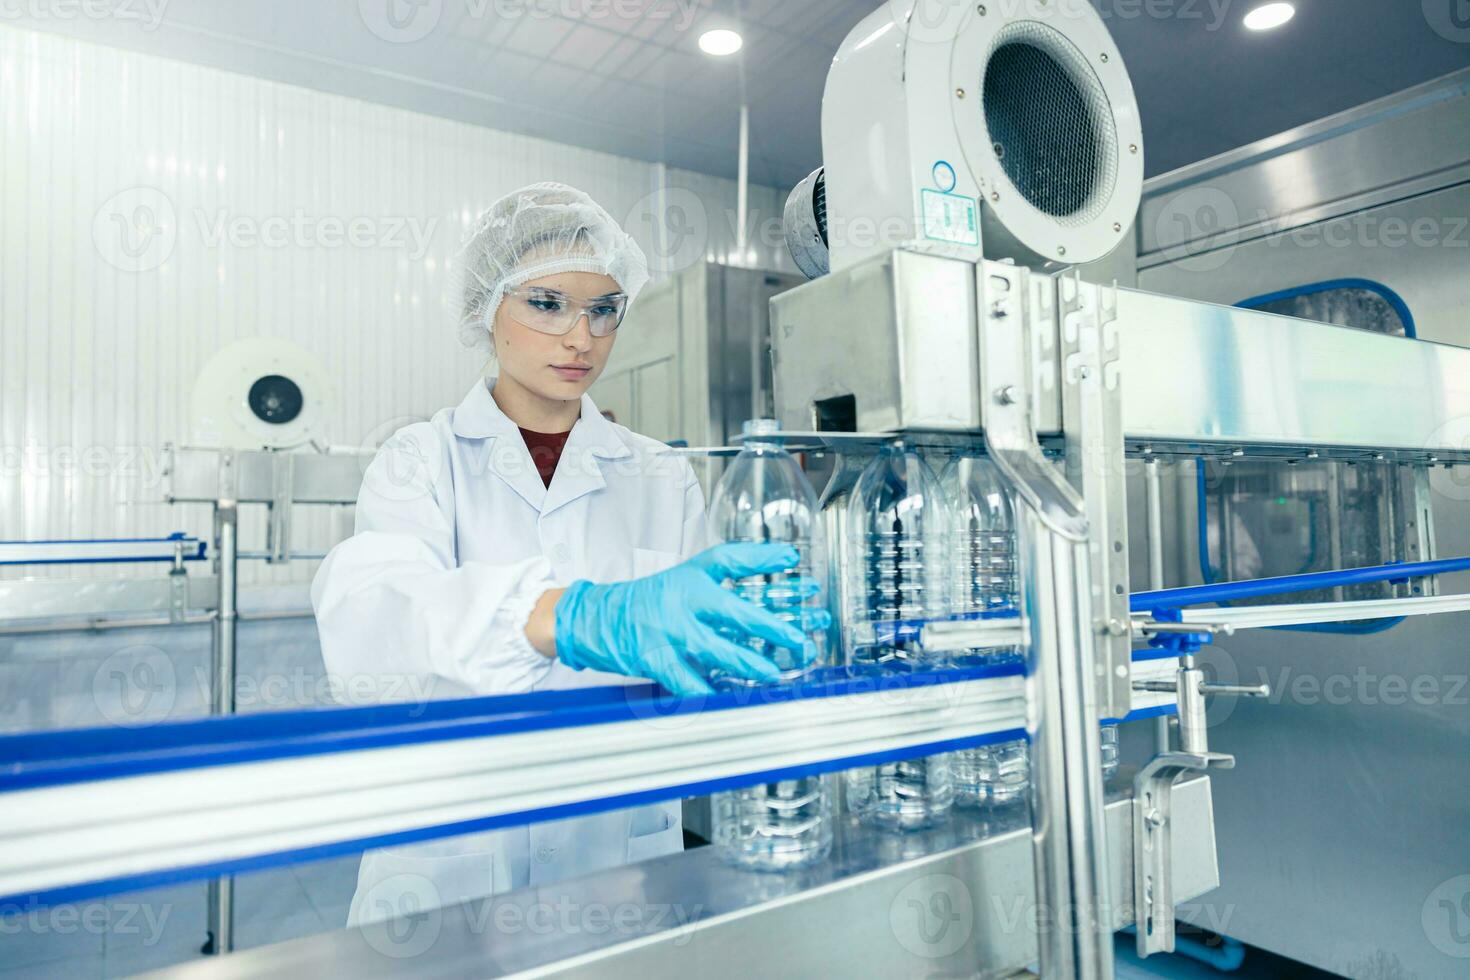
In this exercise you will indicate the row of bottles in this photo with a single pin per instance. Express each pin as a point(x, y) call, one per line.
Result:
point(908, 547)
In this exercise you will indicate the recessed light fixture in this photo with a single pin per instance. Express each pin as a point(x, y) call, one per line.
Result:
point(1269, 16)
point(720, 42)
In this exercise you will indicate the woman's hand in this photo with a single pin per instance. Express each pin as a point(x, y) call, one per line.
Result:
point(666, 627)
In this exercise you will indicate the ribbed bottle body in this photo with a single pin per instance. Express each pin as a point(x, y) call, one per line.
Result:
point(896, 582)
point(985, 583)
point(764, 496)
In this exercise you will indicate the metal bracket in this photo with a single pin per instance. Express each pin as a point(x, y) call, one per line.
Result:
point(278, 530)
point(1008, 306)
point(1152, 842)
point(1092, 427)
point(178, 587)
point(1068, 837)
point(1152, 883)
point(1416, 527)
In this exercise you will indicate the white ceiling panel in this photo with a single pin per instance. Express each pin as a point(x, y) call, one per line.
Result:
point(626, 76)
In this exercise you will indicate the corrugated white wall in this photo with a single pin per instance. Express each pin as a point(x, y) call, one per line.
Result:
point(152, 212)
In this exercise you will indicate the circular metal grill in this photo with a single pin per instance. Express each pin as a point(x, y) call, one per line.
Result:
point(275, 399)
point(1049, 123)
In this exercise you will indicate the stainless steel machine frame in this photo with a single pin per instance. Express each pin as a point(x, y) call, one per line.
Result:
point(925, 356)
point(225, 479)
point(1379, 193)
point(954, 901)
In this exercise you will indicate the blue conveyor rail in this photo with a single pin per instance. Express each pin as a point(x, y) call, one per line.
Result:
point(1221, 592)
point(102, 551)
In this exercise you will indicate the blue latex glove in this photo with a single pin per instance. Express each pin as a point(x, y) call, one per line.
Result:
point(664, 627)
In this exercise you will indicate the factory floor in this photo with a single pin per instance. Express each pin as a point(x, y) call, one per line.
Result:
point(140, 931)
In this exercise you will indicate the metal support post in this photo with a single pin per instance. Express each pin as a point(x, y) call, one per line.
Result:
point(1092, 428)
point(226, 545)
point(1153, 499)
point(1068, 839)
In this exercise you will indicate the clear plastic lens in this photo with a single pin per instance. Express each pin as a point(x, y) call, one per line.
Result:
point(553, 312)
point(765, 497)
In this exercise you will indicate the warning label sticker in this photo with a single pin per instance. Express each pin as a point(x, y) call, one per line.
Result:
point(950, 218)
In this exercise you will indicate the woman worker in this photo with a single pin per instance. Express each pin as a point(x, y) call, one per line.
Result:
point(523, 542)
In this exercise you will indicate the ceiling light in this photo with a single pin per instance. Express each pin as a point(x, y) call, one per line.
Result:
point(1269, 16)
point(720, 42)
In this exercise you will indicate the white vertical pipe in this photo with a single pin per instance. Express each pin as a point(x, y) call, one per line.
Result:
point(742, 183)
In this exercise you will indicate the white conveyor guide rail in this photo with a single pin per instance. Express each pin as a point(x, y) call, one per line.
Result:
point(83, 816)
point(88, 813)
point(1303, 613)
point(1150, 608)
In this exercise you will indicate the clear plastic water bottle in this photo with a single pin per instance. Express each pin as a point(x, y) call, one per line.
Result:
point(896, 529)
point(834, 503)
point(764, 496)
point(896, 546)
point(985, 582)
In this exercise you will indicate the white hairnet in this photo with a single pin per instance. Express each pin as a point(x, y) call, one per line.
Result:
point(537, 231)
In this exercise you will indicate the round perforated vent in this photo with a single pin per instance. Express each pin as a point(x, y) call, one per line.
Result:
point(1049, 123)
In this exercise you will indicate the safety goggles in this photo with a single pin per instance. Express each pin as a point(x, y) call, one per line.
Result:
point(553, 312)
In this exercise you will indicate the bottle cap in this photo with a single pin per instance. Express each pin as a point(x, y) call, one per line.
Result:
point(760, 427)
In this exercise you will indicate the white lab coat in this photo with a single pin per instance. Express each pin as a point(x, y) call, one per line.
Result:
point(456, 538)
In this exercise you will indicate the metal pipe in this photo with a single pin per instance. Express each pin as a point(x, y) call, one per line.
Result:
point(1068, 838)
point(742, 190)
point(98, 625)
point(1155, 524)
point(1153, 500)
point(226, 528)
point(1226, 591)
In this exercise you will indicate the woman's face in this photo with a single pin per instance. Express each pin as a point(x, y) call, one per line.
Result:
point(557, 368)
